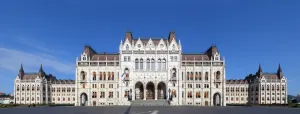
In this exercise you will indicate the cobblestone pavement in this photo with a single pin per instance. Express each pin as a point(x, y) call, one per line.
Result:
point(151, 110)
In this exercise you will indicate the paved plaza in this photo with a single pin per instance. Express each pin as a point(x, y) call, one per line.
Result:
point(151, 110)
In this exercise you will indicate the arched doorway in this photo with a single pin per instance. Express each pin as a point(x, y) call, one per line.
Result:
point(161, 91)
point(83, 99)
point(139, 91)
point(150, 90)
point(217, 99)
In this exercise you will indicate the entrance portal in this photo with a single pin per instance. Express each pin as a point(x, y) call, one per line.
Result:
point(150, 90)
point(139, 91)
point(83, 99)
point(161, 91)
point(217, 99)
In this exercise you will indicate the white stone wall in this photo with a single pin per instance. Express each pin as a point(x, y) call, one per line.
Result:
point(237, 97)
point(58, 96)
point(29, 92)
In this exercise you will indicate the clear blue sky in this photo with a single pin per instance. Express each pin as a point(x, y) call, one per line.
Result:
point(246, 32)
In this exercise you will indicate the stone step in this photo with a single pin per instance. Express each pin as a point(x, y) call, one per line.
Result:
point(150, 103)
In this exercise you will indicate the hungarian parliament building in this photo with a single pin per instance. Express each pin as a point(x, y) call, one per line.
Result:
point(150, 69)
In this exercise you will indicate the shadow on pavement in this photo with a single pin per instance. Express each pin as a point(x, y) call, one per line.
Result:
point(128, 110)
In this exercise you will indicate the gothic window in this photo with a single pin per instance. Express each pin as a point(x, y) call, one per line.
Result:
point(196, 76)
point(159, 64)
point(32, 88)
point(27, 87)
point(164, 64)
point(110, 94)
point(136, 64)
point(127, 72)
point(100, 77)
point(277, 87)
point(218, 75)
point(141, 64)
point(174, 93)
point(104, 76)
point(152, 64)
point(112, 76)
point(282, 88)
point(148, 64)
point(190, 95)
point(127, 47)
point(206, 75)
point(262, 87)
point(82, 75)
point(84, 57)
point(198, 95)
point(200, 76)
point(173, 47)
point(109, 77)
point(94, 75)
point(126, 93)
point(206, 94)
point(188, 76)
point(273, 88)
point(268, 88)
point(191, 76)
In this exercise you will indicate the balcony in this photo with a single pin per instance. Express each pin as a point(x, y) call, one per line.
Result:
point(173, 79)
point(218, 80)
point(126, 79)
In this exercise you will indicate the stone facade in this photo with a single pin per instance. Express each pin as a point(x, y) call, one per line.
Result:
point(150, 69)
point(40, 88)
point(259, 88)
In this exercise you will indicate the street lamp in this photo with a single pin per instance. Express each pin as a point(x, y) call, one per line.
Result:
point(130, 95)
point(169, 94)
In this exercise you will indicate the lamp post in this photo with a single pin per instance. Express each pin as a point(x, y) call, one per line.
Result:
point(169, 93)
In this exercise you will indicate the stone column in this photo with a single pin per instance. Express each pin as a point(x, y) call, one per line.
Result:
point(145, 89)
point(155, 92)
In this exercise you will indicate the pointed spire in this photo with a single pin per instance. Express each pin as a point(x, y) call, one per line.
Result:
point(279, 68)
point(259, 68)
point(41, 68)
point(21, 68)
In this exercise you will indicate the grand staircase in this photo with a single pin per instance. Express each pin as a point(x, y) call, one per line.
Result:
point(160, 102)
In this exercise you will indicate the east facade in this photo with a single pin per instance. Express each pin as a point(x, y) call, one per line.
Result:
point(259, 88)
point(148, 69)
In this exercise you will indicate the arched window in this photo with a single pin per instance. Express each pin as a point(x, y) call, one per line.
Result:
point(112, 76)
point(268, 88)
point(282, 88)
point(262, 87)
point(33, 88)
point(127, 47)
point(206, 75)
point(82, 73)
point(206, 94)
point(188, 76)
point(190, 95)
point(94, 75)
point(100, 77)
point(164, 64)
point(174, 93)
point(109, 77)
point(152, 64)
point(277, 87)
point(141, 64)
point(198, 95)
point(127, 72)
point(159, 64)
point(174, 72)
point(200, 76)
point(148, 64)
point(273, 88)
point(136, 64)
point(104, 76)
point(218, 75)
point(191, 76)
point(196, 76)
